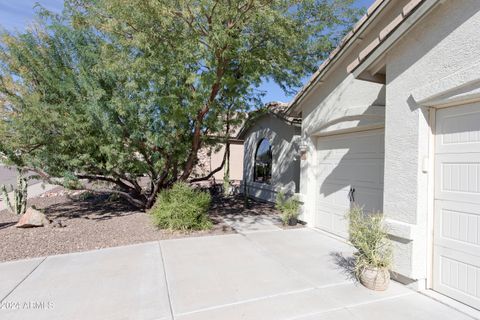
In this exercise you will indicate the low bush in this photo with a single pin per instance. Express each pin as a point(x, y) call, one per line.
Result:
point(290, 208)
point(182, 208)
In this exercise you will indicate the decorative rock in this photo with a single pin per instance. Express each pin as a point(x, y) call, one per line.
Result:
point(32, 218)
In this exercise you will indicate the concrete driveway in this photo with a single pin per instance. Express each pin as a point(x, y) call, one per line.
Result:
point(296, 274)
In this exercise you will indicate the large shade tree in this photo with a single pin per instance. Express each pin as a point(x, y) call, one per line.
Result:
point(120, 95)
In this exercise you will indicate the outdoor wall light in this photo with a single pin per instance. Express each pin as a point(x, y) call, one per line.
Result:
point(302, 146)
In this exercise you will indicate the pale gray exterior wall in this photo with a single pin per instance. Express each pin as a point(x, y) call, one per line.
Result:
point(325, 110)
point(444, 42)
point(286, 163)
point(328, 108)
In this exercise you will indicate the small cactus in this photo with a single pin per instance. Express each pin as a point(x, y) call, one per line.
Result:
point(19, 205)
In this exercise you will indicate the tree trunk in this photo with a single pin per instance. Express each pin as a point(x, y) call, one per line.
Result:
point(224, 160)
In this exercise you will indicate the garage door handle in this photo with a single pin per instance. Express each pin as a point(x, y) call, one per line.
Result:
point(351, 194)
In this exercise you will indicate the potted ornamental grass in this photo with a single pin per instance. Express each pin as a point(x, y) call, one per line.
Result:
point(373, 258)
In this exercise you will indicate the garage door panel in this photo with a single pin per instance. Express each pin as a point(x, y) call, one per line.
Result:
point(331, 213)
point(344, 162)
point(458, 177)
point(459, 246)
point(457, 204)
point(458, 276)
point(338, 201)
point(335, 223)
point(458, 226)
point(329, 173)
point(350, 173)
point(368, 144)
point(369, 199)
point(366, 172)
point(334, 194)
point(340, 226)
point(324, 220)
point(459, 128)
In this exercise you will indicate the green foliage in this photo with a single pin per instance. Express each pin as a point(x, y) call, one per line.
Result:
point(369, 236)
point(85, 196)
point(123, 91)
point(280, 200)
point(20, 195)
point(290, 208)
point(70, 181)
point(114, 197)
point(182, 208)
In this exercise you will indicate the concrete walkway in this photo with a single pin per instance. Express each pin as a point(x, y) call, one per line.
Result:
point(295, 274)
point(252, 223)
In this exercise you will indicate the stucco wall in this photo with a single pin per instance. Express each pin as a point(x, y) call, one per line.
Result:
point(211, 158)
point(329, 108)
point(443, 42)
point(333, 104)
point(286, 163)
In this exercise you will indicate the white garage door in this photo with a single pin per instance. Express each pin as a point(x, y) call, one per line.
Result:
point(347, 162)
point(457, 204)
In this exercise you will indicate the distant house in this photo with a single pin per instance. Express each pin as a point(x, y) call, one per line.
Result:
point(210, 158)
point(391, 122)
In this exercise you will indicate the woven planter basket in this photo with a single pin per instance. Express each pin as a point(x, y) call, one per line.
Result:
point(376, 279)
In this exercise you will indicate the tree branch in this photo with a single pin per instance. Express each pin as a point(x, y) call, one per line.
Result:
point(220, 167)
point(225, 155)
point(197, 133)
point(116, 181)
point(158, 184)
point(135, 202)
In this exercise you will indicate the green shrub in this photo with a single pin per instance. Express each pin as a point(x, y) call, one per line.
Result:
point(369, 236)
point(182, 208)
point(85, 196)
point(290, 208)
point(280, 200)
point(71, 182)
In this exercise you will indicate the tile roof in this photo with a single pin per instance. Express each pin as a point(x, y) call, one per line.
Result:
point(275, 108)
point(384, 33)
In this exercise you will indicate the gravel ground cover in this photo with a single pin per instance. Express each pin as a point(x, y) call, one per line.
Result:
point(89, 222)
point(93, 222)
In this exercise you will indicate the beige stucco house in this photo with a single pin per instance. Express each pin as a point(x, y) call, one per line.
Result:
point(391, 121)
point(211, 157)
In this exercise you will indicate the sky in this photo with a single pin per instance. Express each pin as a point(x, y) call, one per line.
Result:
point(17, 14)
